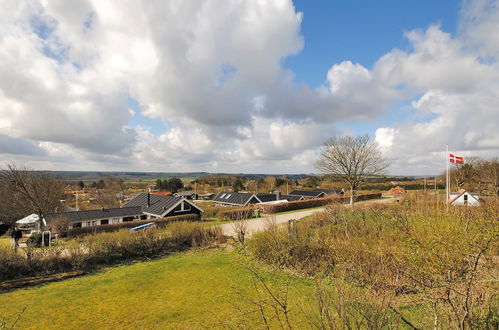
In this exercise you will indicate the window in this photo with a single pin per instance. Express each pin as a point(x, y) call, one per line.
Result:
point(222, 196)
point(104, 222)
point(187, 206)
point(77, 225)
point(115, 220)
point(465, 197)
point(127, 219)
point(228, 195)
point(143, 217)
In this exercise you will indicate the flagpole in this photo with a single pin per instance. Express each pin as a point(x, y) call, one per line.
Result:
point(447, 179)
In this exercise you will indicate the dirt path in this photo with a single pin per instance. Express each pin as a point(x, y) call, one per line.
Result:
point(255, 225)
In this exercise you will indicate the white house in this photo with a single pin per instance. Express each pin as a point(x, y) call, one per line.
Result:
point(462, 197)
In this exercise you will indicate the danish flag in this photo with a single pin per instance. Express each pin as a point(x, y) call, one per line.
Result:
point(456, 159)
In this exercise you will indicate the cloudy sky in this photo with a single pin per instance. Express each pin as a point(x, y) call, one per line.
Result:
point(245, 85)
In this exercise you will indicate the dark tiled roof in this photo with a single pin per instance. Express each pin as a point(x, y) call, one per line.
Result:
point(159, 204)
point(266, 197)
point(291, 198)
point(308, 193)
point(235, 198)
point(272, 197)
point(76, 216)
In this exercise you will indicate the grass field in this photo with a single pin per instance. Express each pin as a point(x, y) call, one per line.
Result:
point(184, 291)
point(4, 242)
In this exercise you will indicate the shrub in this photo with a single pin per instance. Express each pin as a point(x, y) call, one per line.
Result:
point(239, 213)
point(309, 203)
point(211, 211)
point(160, 222)
point(88, 252)
point(446, 257)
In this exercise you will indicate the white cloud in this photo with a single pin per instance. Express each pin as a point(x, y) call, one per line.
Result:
point(213, 71)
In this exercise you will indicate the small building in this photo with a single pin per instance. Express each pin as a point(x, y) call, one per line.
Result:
point(99, 217)
point(463, 197)
point(277, 196)
point(225, 198)
point(316, 193)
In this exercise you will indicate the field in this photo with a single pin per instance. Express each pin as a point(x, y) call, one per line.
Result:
point(188, 290)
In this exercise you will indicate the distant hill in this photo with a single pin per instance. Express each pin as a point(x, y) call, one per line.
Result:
point(141, 176)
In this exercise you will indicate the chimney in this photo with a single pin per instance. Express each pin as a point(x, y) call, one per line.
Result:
point(277, 195)
point(148, 199)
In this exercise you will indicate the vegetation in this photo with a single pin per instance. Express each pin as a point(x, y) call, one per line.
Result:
point(353, 159)
point(90, 252)
point(199, 289)
point(159, 222)
point(311, 203)
point(26, 191)
point(442, 262)
point(172, 185)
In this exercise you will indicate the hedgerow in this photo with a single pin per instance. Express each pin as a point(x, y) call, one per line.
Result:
point(313, 202)
point(159, 222)
point(91, 251)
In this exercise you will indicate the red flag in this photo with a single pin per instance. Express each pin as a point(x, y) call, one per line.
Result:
point(456, 159)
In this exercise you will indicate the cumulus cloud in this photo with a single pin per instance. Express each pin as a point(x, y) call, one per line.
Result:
point(212, 72)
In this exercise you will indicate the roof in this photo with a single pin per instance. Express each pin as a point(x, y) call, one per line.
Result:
point(291, 198)
point(32, 218)
point(459, 194)
point(76, 216)
point(234, 198)
point(266, 197)
point(273, 197)
point(308, 193)
point(159, 204)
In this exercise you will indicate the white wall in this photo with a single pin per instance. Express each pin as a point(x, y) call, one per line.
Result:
point(472, 201)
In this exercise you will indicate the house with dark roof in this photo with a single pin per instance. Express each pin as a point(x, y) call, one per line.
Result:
point(187, 195)
point(316, 193)
point(97, 217)
point(142, 207)
point(235, 198)
point(160, 206)
point(277, 196)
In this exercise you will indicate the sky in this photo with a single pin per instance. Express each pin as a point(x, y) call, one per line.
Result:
point(247, 86)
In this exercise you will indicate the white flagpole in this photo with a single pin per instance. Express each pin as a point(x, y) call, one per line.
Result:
point(447, 180)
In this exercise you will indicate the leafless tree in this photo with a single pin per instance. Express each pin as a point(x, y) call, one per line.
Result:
point(36, 192)
point(352, 159)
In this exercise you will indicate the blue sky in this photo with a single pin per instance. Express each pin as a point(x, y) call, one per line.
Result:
point(245, 86)
point(361, 31)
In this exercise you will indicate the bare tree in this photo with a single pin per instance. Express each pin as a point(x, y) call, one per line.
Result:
point(37, 192)
point(353, 159)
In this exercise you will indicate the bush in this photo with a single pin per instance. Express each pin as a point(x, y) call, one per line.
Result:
point(239, 213)
point(309, 203)
point(88, 252)
point(212, 211)
point(445, 257)
point(160, 222)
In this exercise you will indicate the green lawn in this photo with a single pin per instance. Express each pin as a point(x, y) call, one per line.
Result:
point(189, 290)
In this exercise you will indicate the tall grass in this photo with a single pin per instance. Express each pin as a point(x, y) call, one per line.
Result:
point(91, 251)
point(445, 258)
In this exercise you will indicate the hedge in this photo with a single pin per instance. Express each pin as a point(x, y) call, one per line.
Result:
point(160, 222)
point(239, 213)
point(309, 203)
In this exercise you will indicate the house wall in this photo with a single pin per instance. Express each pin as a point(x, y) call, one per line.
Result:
point(471, 200)
point(98, 222)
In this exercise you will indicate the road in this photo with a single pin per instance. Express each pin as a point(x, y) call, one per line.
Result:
point(255, 225)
